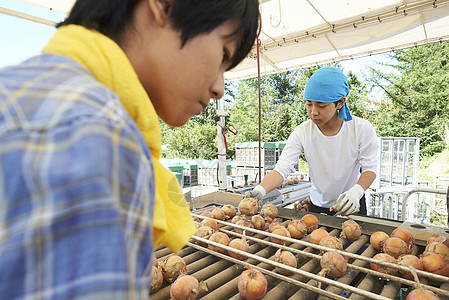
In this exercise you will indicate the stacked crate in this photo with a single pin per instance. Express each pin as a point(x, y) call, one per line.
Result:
point(177, 170)
point(247, 159)
point(190, 174)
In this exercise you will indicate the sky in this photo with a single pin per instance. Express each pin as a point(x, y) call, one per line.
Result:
point(21, 39)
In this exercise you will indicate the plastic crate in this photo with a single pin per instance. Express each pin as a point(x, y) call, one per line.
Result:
point(247, 154)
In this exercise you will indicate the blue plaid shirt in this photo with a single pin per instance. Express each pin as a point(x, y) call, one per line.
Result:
point(76, 187)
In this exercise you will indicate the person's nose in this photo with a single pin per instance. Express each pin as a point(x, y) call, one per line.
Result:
point(314, 110)
point(217, 87)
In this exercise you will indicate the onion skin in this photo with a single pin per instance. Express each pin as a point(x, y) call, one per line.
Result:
point(421, 294)
point(248, 206)
point(207, 213)
point(396, 247)
point(410, 260)
point(405, 235)
point(186, 287)
point(438, 238)
point(282, 231)
point(245, 223)
point(274, 225)
point(252, 284)
point(239, 244)
point(229, 211)
point(378, 239)
point(331, 242)
point(237, 218)
point(386, 258)
point(297, 229)
point(435, 263)
point(439, 249)
point(172, 267)
point(333, 264)
point(269, 210)
point(211, 223)
point(204, 232)
point(351, 230)
point(317, 235)
point(218, 214)
point(156, 279)
point(221, 238)
point(287, 258)
point(311, 222)
point(258, 222)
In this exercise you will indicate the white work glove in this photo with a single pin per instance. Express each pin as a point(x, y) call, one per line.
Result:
point(349, 202)
point(258, 192)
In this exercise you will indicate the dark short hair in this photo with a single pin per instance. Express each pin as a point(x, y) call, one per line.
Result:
point(190, 17)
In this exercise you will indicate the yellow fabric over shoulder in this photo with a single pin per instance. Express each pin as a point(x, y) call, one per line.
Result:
point(172, 223)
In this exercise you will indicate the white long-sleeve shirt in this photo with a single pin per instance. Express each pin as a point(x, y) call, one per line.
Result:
point(335, 162)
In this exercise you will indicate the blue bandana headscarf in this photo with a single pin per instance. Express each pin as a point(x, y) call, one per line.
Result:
point(328, 84)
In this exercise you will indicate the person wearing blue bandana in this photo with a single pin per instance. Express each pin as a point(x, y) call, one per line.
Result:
point(341, 150)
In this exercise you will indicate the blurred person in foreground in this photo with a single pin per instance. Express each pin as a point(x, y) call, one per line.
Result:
point(341, 150)
point(80, 177)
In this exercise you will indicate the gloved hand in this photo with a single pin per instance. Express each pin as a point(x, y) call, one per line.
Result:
point(258, 192)
point(348, 203)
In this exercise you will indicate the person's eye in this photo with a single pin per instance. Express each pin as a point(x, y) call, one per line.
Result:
point(226, 56)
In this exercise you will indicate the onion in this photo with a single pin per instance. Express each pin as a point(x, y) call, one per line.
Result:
point(385, 258)
point(190, 206)
point(351, 230)
point(245, 223)
point(221, 238)
point(156, 279)
point(396, 247)
point(248, 206)
point(311, 222)
point(211, 223)
point(274, 225)
point(218, 214)
point(297, 229)
point(435, 263)
point(331, 242)
point(407, 261)
point(207, 213)
point(405, 235)
point(204, 232)
point(239, 244)
point(237, 218)
point(420, 293)
point(287, 258)
point(317, 235)
point(377, 239)
point(269, 210)
point(229, 211)
point(186, 287)
point(282, 231)
point(172, 267)
point(333, 264)
point(438, 248)
point(438, 238)
point(252, 284)
point(258, 222)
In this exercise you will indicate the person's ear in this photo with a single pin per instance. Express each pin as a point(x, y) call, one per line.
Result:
point(160, 10)
point(341, 102)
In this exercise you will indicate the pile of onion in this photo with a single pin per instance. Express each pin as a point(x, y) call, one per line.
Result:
point(396, 247)
point(405, 235)
point(317, 235)
point(383, 269)
point(252, 284)
point(409, 261)
point(297, 229)
point(269, 210)
point(218, 214)
point(239, 244)
point(211, 223)
point(331, 242)
point(435, 263)
point(439, 248)
point(221, 238)
point(258, 222)
point(438, 238)
point(244, 223)
point(420, 293)
point(351, 230)
point(172, 267)
point(186, 287)
point(287, 258)
point(156, 279)
point(248, 206)
point(378, 239)
point(204, 232)
point(333, 264)
point(311, 222)
point(229, 211)
point(282, 231)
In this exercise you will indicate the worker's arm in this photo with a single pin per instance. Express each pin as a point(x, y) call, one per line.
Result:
point(271, 181)
point(366, 179)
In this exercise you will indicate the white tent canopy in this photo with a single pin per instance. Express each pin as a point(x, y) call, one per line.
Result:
point(303, 33)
